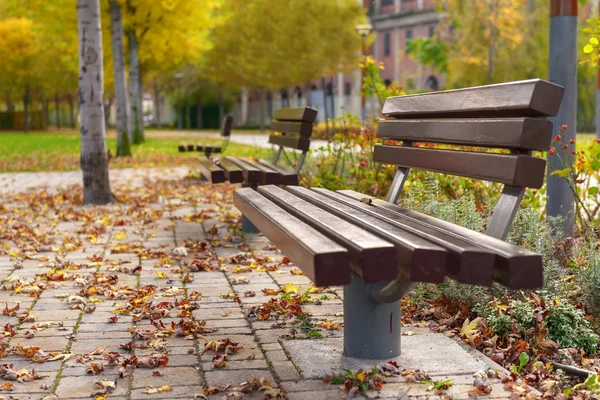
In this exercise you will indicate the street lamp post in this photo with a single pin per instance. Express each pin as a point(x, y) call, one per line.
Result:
point(179, 77)
point(363, 31)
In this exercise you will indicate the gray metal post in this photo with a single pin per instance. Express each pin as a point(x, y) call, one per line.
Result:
point(563, 71)
point(371, 330)
point(598, 106)
point(247, 226)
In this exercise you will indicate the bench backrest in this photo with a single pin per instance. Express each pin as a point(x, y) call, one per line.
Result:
point(502, 116)
point(294, 126)
point(226, 126)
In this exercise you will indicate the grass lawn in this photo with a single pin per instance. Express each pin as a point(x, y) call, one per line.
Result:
point(59, 151)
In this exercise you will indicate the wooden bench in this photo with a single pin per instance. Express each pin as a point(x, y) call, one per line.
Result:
point(293, 128)
point(378, 249)
point(208, 150)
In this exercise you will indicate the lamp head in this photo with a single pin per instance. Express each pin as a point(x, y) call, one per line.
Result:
point(364, 30)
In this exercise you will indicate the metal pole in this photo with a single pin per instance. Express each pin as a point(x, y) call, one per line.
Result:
point(371, 330)
point(598, 95)
point(563, 71)
point(363, 110)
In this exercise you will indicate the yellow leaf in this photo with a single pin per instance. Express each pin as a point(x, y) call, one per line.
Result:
point(469, 328)
point(120, 235)
point(361, 376)
point(161, 275)
point(290, 288)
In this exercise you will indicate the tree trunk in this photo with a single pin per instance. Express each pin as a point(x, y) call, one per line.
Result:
point(221, 108)
point(244, 107)
point(44, 112)
point(94, 163)
point(26, 108)
point(135, 96)
point(57, 110)
point(10, 107)
point(199, 116)
point(116, 32)
point(188, 111)
point(262, 110)
point(156, 104)
point(107, 110)
point(71, 111)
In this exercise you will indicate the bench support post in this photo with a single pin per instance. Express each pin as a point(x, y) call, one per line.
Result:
point(371, 330)
point(247, 226)
point(505, 211)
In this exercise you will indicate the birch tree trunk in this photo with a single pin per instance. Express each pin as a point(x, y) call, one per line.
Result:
point(71, 110)
point(116, 32)
point(94, 163)
point(135, 90)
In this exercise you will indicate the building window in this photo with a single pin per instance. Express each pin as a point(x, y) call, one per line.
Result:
point(431, 30)
point(348, 89)
point(387, 3)
point(409, 36)
point(387, 45)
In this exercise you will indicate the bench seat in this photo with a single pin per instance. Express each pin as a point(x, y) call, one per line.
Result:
point(425, 249)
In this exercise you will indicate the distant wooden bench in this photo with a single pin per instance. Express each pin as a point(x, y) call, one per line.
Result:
point(293, 127)
point(208, 150)
point(378, 249)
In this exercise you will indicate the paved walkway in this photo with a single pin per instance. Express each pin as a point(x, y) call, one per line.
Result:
point(159, 297)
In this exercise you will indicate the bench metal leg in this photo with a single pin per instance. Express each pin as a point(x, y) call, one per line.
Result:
point(203, 178)
point(247, 226)
point(371, 330)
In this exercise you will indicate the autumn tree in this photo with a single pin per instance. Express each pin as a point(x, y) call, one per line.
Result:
point(94, 163)
point(116, 27)
point(488, 41)
point(162, 35)
point(273, 44)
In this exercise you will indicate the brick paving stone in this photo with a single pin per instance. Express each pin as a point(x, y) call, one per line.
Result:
point(173, 376)
point(235, 377)
point(83, 386)
point(286, 371)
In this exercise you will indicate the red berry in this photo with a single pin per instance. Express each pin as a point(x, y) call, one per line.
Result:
point(573, 152)
point(557, 138)
point(552, 151)
point(564, 128)
point(572, 141)
point(420, 176)
point(318, 165)
point(565, 146)
point(534, 192)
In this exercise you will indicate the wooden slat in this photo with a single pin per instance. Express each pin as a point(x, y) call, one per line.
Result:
point(516, 170)
point(233, 173)
point(295, 114)
point(301, 128)
point(531, 98)
point(467, 262)
point(323, 261)
point(294, 142)
point(418, 260)
point(516, 267)
point(512, 133)
point(286, 177)
point(268, 176)
point(371, 258)
point(211, 171)
point(251, 174)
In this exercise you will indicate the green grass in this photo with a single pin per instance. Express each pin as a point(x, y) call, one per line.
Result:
point(59, 151)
